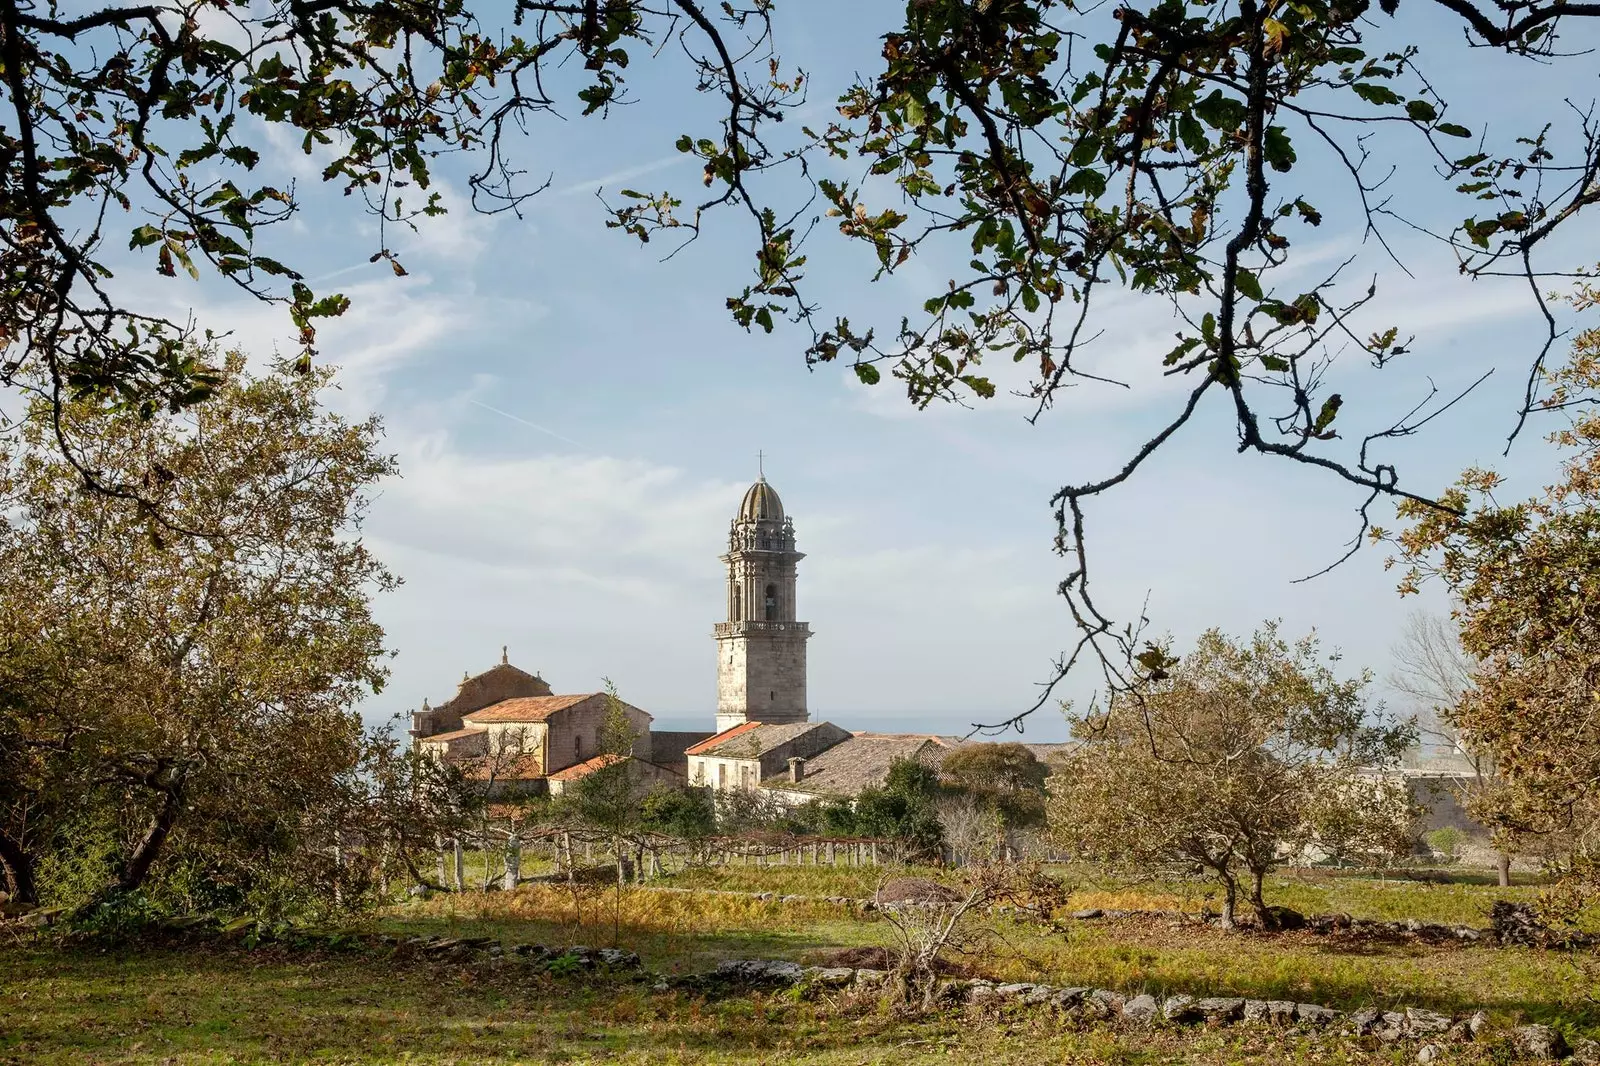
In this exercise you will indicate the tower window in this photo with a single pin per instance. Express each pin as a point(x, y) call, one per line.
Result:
point(772, 603)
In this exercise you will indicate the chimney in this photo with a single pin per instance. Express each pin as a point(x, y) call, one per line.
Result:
point(797, 770)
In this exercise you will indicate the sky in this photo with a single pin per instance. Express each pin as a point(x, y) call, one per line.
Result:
point(576, 420)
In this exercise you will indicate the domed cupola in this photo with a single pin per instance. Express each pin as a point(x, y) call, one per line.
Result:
point(761, 504)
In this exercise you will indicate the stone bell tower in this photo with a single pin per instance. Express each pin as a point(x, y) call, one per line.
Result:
point(761, 649)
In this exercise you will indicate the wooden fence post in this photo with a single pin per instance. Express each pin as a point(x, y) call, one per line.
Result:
point(513, 861)
point(338, 869)
point(460, 864)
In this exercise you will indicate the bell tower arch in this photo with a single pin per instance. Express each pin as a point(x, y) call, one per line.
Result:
point(761, 648)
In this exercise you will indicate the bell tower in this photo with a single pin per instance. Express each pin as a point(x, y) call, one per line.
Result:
point(761, 649)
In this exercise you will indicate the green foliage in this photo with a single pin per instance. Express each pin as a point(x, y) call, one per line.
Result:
point(1446, 843)
point(686, 812)
point(1245, 753)
point(1525, 578)
point(180, 709)
point(903, 810)
point(1005, 778)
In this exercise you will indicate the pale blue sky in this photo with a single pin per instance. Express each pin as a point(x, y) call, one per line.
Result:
point(576, 421)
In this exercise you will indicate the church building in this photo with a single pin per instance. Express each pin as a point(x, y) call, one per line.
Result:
point(506, 726)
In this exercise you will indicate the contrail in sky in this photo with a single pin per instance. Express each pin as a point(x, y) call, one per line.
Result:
point(524, 421)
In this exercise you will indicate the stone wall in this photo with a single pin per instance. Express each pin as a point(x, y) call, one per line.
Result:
point(761, 672)
point(574, 733)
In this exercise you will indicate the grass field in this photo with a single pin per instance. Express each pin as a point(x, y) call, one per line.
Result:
point(228, 1005)
point(1310, 892)
point(202, 1007)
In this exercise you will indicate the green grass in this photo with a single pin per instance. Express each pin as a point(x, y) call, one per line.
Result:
point(1310, 892)
point(223, 1005)
point(685, 931)
point(200, 1007)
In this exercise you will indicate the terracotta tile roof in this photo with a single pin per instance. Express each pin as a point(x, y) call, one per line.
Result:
point(522, 768)
point(726, 734)
point(755, 739)
point(527, 708)
point(587, 767)
point(453, 735)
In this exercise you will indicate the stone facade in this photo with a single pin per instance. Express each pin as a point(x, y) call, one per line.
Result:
point(761, 648)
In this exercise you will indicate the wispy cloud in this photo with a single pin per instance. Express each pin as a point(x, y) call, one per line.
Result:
point(625, 174)
point(524, 421)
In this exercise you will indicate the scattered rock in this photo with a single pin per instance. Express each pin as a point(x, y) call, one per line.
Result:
point(1255, 1010)
point(1586, 1052)
point(1363, 1022)
point(1220, 1009)
point(1103, 1003)
point(1426, 1022)
point(1285, 918)
point(419, 892)
point(1180, 1009)
point(1315, 1014)
point(1477, 1023)
point(1066, 998)
point(831, 976)
point(618, 959)
point(1391, 1027)
point(1517, 923)
point(1088, 915)
point(1017, 990)
point(1538, 1041)
point(1429, 1053)
point(1141, 1009)
point(869, 978)
point(1280, 1012)
point(758, 971)
point(981, 992)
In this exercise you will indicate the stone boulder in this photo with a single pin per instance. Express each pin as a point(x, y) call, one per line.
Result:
point(1539, 1041)
point(758, 972)
point(1140, 1009)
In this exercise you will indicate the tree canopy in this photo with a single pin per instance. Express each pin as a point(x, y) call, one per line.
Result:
point(1245, 753)
point(1526, 579)
point(194, 696)
point(1034, 156)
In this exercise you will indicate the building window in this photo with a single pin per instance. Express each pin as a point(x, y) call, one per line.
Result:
point(722, 775)
point(577, 747)
point(772, 604)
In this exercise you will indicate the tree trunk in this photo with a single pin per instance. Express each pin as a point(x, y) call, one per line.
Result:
point(1258, 900)
point(1503, 865)
point(1230, 899)
point(144, 855)
point(18, 864)
point(461, 865)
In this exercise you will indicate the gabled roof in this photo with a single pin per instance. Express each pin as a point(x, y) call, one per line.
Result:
point(453, 735)
point(754, 739)
point(587, 767)
point(527, 708)
point(860, 762)
point(711, 742)
point(518, 768)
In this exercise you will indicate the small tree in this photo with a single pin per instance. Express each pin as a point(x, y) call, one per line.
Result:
point(1007, 779)
point(931, 920)
point(1229, 765)
point(1525, 577)
point(611, 797)
point(186, 692)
